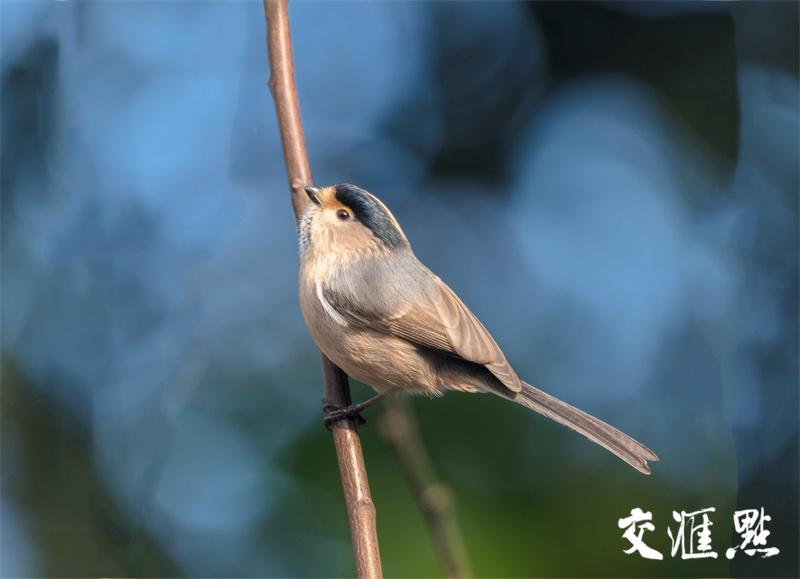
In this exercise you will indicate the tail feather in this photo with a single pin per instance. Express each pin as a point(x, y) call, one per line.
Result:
point(631, 451)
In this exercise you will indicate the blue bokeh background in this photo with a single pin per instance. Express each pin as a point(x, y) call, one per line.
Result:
point(611, 187)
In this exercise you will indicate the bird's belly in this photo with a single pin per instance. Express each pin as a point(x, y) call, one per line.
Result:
point(384, 362)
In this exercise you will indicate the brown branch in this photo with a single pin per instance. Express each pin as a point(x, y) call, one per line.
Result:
point(433, 498)
point(360, 509)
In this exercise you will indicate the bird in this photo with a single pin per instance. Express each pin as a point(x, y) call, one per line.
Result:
point(384, 318)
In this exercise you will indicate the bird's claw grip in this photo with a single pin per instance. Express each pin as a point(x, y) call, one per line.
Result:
point(336, 413)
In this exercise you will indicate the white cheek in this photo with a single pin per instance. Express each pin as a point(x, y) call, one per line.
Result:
point(329, 309)
point(316, 231)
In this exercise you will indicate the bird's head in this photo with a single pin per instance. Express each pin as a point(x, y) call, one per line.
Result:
point(347, 219)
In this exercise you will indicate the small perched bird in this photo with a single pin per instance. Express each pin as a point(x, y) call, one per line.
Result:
point(384, 318)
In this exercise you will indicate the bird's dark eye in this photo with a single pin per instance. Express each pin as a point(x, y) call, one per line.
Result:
point(343, 214)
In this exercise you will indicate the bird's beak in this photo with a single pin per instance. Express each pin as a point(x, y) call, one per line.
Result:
point(313, 194)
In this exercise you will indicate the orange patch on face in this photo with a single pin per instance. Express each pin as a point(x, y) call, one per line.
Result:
point(328, 199)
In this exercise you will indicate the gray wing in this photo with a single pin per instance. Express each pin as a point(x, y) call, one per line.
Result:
point(401, 297)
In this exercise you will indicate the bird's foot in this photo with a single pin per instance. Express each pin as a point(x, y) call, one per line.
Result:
point(336, 413)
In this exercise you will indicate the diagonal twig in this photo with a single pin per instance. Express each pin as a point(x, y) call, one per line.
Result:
point(434, 499)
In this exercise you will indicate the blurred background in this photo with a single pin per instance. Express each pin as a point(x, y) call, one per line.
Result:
point(612, 187)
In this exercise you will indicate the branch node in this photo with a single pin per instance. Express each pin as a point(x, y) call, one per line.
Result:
point(436, 498)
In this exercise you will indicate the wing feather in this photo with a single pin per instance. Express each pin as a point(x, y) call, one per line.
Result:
point(433, 318)
point(470, 340)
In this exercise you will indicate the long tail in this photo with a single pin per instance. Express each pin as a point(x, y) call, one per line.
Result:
point(631, 451)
